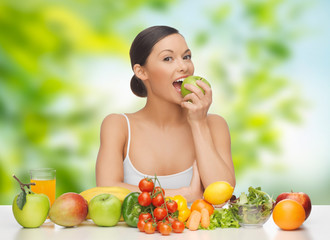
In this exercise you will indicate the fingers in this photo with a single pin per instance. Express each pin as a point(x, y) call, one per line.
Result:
point(197, 103)
point(204, 86)
point(194, 89)
point(197, 93)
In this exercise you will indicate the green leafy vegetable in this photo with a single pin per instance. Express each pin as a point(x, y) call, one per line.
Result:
point(222, 218)
point(253, 208)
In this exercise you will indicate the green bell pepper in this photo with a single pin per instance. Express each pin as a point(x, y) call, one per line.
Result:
point(131, 209)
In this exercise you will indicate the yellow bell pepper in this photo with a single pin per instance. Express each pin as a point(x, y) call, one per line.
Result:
point(184, 211)
point(181, 201)
point(184, 214)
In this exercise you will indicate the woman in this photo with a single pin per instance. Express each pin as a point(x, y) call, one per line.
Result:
point(172, 137)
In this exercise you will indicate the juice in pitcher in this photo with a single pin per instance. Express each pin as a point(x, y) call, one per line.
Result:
point(45, 182)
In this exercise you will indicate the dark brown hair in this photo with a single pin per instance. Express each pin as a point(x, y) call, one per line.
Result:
point(141, 49)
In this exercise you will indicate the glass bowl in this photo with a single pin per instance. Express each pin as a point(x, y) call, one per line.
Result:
point(250, 215)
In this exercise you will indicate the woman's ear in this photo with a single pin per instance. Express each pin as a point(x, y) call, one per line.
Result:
point(140, 72)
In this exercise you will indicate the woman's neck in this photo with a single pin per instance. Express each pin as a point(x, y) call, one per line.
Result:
point(164, 113)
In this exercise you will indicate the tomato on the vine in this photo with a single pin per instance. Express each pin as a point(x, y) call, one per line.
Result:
point(161, 222)
point(164, 228)
point(146, 185)
point(158, 190)
point(149, 227)
point(144, 199)
point(160, 213)
point(140, 225)
point(172, 206)
point(178, 226)
point(145, 216)
point(170, 219)
point(157, 200)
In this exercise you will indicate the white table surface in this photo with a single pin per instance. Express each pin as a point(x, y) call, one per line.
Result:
point(316, 227)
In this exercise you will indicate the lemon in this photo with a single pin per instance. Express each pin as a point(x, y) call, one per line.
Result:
point(218, 192)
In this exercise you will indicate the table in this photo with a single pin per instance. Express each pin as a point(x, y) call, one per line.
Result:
point(316, 227)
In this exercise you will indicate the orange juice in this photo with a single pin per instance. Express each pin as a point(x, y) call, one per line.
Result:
point(46, 187)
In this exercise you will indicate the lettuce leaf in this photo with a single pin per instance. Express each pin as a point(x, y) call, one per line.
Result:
point(222, 218)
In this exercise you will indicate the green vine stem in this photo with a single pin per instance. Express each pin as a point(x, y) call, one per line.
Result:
point(156, 179)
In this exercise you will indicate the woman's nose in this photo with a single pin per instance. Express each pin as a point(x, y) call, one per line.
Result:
point(182, 66)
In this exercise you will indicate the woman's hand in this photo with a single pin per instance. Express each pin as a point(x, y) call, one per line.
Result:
point(197, 103)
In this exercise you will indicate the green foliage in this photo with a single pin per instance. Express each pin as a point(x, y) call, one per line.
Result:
point(44, 118)
point(46, 121)
point(256, 99)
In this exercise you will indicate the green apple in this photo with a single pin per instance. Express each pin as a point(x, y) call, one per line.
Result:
point(105, 210)
point(33, 212)
point(192, 80)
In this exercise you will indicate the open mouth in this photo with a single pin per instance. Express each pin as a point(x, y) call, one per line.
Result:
point(177, 84)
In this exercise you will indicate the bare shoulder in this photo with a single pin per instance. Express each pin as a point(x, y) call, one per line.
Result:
point(113, 119)
point(114, 124)
point(216, 121)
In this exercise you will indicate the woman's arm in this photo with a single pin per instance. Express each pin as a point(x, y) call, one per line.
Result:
point(109, 164)
point(213, 150)
point(211, 137)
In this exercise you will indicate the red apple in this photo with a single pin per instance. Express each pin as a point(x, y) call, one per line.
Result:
point(300, 197)
point(69, 209)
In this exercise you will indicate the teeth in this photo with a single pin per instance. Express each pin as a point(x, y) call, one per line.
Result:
point(180, 80)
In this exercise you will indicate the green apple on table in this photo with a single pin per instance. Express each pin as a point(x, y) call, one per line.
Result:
point(192, 80)
point(105, 210)
point(30, 209)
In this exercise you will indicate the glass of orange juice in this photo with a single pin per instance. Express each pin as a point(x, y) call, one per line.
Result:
point(45, 182)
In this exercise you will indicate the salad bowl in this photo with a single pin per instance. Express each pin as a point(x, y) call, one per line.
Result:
point(252, 209)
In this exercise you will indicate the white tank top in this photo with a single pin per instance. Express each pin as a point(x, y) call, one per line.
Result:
point(172, 181)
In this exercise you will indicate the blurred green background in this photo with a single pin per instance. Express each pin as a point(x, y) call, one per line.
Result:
point(64, 66)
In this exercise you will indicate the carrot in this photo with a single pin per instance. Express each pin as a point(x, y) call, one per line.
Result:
point(194, 220)
point(205, 219)
point(188, 221)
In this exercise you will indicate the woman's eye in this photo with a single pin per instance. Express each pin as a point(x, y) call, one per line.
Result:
point(167, 59)
point(187, 57)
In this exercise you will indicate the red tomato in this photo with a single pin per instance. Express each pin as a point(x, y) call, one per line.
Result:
point(140, 225)
point(161, 222)
point(158, 190)
point(158, 200)
point(146, 185)
point(164, 228)
point(172, 206)
point(144, 199)
point(170, 219)
point(145, 216)
point(160, 213)
point(178, 226)
point(149, 227)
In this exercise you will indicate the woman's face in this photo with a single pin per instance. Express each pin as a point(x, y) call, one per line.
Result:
point(167, 65)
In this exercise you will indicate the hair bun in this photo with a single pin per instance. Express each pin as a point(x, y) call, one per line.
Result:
point(138, 87)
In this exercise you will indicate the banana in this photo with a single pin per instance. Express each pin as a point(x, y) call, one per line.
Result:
point(119, 192)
